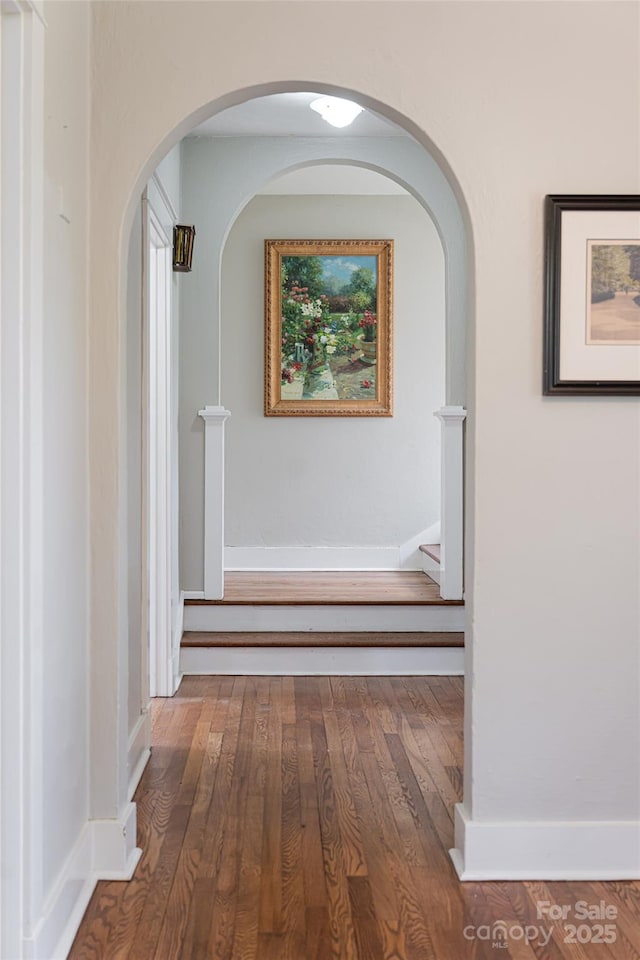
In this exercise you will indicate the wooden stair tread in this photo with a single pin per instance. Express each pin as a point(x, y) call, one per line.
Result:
point(317, 639)
point(388, 587)
point(432, 550)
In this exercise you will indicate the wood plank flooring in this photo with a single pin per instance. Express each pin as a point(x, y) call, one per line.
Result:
point(331, 587)
point(317, 638)
point(309, 819)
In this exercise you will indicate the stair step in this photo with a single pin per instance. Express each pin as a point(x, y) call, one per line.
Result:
point(333, 601)
point(432, 550)
point(354, 661)
point(334, 587)
point(324, 618)
point(322, 639)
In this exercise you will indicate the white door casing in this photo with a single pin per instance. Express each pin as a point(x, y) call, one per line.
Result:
point(157, 406)
point(22, 31)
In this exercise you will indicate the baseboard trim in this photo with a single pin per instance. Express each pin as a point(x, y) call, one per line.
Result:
point(543, 850)
point(323, 661)
point(115, 854)
point(177, 638)
point(105, 850)
point(64, 907)
point(403, 556)
point(139, 751)
point(317, 558)
point(323, 618)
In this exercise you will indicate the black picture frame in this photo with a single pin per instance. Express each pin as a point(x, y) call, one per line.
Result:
point(557, 207)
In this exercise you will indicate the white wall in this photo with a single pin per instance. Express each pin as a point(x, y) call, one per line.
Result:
point(326, 482)
point(509, 95)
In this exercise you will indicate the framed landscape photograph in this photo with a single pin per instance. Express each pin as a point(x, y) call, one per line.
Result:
point(328, 328)
point(592, 296)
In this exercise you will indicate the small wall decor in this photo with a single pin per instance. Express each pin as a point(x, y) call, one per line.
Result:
point(183, 239)
point(328, 323)
point(592, 296)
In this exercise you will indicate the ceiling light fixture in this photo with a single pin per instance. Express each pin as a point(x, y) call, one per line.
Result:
point(336, 111)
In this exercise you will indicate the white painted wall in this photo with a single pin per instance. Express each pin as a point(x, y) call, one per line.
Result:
point(552, 726)
point(326, 482)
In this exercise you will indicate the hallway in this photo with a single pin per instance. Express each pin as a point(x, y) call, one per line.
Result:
point(310, 819)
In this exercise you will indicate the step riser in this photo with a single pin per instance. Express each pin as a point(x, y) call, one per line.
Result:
point(329, 618)
point(328, 661)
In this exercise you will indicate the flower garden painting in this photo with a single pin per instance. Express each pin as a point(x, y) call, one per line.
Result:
point(328, 319)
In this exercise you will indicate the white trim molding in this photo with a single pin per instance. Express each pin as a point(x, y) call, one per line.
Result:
point(105, 850)
point(139, 750)
point(545, 850)
point(315, 558)
point(115, 854)
point(452, 502)
point(22, 480)
point(156, 186)
point(159, 493)
point(214, 421)
point(403, 556)
point(177, 639)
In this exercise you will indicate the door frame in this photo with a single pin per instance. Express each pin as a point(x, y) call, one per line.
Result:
point(22, 34)
point(157, 495)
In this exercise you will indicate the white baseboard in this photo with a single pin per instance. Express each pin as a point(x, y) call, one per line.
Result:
point(64, 907)
point(323, 661)
point(115, 854)
point(105, 850)
point(404, 556)
point(192, 595)
point(333, 618)
point(314, 558)
point(139, 751)
point(543, 850)
point(177, 639)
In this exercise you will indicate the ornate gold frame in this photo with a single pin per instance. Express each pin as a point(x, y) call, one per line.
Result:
point(274, 404)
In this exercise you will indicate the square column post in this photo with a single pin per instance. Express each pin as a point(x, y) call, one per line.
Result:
point(452, 502)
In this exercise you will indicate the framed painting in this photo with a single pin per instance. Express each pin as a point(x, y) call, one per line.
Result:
point(592, 295)
point(328, 328)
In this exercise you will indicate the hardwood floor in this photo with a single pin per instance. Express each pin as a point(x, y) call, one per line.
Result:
point(332, 586)
point(310, 819)
point(319, 638)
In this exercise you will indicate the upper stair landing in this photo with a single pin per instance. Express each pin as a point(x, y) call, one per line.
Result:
point(390, 600)
point(335, 587)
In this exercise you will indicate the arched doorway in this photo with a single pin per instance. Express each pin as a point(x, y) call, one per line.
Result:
point(421, 166)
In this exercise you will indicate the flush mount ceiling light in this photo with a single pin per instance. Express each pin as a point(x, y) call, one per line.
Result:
point(337, 112)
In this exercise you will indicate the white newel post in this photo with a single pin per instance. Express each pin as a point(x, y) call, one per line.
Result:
point(214, 421)
point(452, 502)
